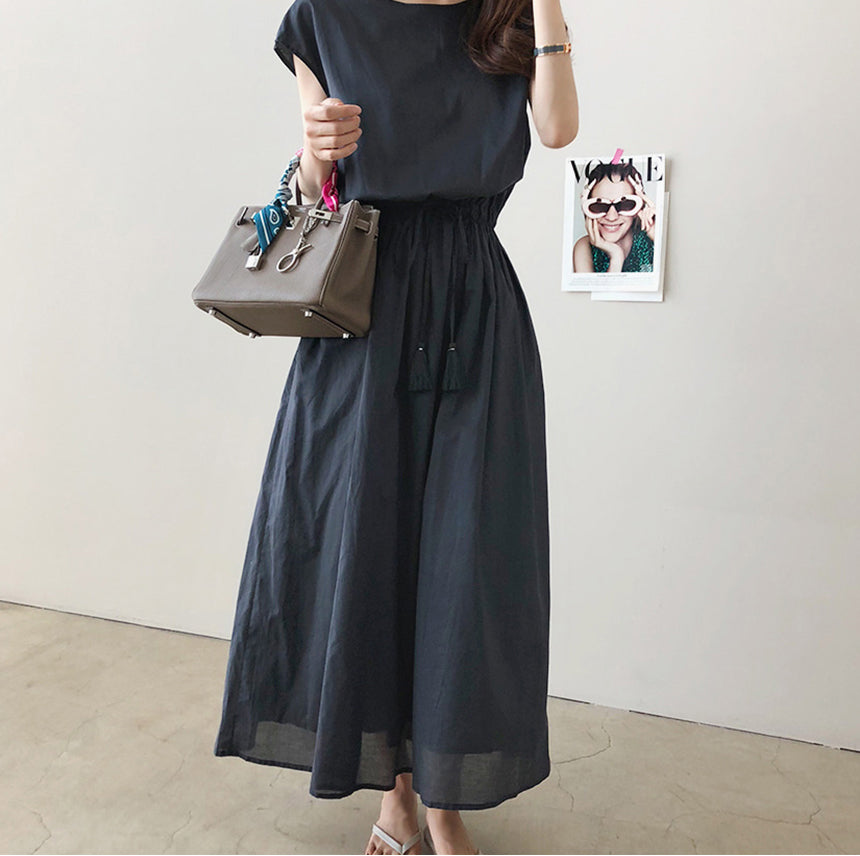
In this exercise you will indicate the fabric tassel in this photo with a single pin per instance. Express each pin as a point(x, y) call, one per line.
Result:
point(453, 377)
point(419, 372)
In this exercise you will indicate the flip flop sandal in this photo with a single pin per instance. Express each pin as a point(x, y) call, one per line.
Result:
point(393, 842)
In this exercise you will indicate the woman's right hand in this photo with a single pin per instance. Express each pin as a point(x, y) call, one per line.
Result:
point(613, 250)
point(332, 129)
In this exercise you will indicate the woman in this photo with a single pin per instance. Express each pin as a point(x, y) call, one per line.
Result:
point(620, 222)
point(392, 623)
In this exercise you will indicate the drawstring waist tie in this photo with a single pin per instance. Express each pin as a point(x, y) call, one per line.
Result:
point(482, 210)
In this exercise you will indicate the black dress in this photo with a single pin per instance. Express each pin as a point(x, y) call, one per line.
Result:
point(393, 610)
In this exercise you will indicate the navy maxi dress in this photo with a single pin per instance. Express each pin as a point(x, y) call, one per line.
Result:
point(393, 609)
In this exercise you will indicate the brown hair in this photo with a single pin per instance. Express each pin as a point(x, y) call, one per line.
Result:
point(500, 36)
point(617, 172)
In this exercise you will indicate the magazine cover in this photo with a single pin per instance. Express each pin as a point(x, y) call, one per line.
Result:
point(615, 227)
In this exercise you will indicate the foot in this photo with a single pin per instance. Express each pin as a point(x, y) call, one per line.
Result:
point(449, 833)
point(398, 816)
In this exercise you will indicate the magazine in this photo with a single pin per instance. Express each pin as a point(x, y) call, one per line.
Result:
point(615, 216)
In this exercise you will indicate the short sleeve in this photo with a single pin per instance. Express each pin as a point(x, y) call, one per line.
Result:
point(298, 34)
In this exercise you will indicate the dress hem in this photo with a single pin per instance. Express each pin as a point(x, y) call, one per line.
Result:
point(235, 753)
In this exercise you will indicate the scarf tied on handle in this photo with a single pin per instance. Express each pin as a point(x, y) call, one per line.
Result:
point(270, 218)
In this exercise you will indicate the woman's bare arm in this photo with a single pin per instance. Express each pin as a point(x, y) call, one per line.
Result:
point(552, 91)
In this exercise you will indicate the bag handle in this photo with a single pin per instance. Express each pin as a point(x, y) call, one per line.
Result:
point(328, 197)
point(270, 218)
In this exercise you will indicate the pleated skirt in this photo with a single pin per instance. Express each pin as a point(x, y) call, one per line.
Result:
point(393, 608)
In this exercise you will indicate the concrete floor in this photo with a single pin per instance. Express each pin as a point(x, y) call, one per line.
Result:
point(107, 731)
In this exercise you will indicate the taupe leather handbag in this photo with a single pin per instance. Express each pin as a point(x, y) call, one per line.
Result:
point(314, 277)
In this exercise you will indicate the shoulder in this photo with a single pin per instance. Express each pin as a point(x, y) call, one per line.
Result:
point(307, 16)
point(317, 12)
point(583, 245)
point(318, 7)
point(582, 255)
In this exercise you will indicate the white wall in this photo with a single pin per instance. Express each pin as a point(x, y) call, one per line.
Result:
point(703, 454)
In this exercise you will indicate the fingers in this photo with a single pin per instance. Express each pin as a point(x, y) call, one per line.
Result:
point(333, 128)
point(333, 110)
point(335, 146)
point(640, 189)
point(335, 152)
